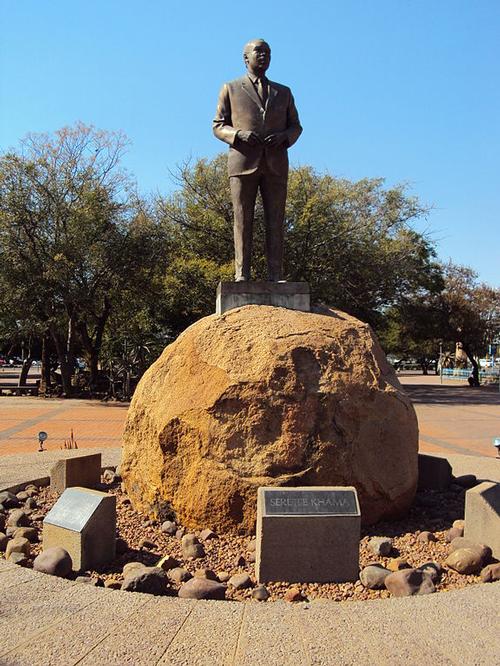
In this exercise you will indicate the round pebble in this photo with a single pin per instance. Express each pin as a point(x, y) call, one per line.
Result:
point(260, 593)
point(54, 561)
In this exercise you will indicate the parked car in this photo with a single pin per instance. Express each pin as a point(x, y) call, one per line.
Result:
point(407, 364)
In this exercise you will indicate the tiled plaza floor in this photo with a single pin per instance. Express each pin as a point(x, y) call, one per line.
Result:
point(94, 424)
point(453, 419)
point(49, 621)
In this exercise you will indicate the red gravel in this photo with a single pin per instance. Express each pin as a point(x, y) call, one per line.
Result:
point(432, 511)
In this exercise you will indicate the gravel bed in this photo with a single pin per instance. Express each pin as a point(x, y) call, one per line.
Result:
point(432, 511)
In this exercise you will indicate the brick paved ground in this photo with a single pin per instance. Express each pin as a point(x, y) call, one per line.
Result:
point(53, 622)
point(94, 424)
point(453, 418)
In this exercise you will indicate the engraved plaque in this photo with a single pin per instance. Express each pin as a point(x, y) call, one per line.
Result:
point(307, 534)
point(73, 509)
point(312, 502)
point(83, 522)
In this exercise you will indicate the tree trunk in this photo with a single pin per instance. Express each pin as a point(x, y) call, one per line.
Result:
point(25, 368)
point(475, 368)
point(66, 377)
point(45, 382)
point(93, 344)
point(424, 366)
point(65, 357)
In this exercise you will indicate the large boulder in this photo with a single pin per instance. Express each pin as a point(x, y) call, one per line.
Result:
point(265, 396)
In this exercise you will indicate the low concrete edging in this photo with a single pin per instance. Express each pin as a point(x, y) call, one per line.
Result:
point(58, 621)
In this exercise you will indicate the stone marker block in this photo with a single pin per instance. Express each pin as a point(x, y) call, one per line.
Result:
point(291, 295)
point(307, 534)
point(84, 471)
point(433, 473)
point(482, 515)
point(83, 522)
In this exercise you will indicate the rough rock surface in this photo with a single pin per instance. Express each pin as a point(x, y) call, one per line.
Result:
point(17, 545)
point(18, 518)
point(54, 561)
point(260, 593)
point(179, 575)
point(18, 558)
point(373, 576)
point(150, 580)
point(432, 569)
point(240, 581)
point(30, 533)
point(398, 563)
point(380, 546)
point(202, 588)
point(465, 561)
point(462, 542)
point(267, 396)
point(132, 569)
point(409, 582)
point(491, 573)
point(8, 500)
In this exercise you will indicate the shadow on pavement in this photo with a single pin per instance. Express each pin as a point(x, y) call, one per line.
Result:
point(452, 395)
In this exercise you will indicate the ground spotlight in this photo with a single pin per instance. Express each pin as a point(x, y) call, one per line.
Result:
point(42, 436)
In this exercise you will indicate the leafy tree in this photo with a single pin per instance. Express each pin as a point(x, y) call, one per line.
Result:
point(471, 312)
point(455, 309)
point(89, 268)
point(67, 249)
point(351, 241)
point(354, 244)
point(414, 329)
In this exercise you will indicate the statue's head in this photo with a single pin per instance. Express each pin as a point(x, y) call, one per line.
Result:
point(257, 56)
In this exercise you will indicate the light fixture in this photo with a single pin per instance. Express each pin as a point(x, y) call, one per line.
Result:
point(42, 436)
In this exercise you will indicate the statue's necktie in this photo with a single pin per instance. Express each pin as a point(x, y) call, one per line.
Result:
point(262, 90)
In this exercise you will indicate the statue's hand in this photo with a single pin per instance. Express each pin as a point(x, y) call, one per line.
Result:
point(276, 139)
point(249, 137)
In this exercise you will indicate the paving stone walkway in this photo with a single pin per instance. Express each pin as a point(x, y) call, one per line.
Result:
point(94, 424)
point(453, 419)
point(16, 469)
point(48, 621)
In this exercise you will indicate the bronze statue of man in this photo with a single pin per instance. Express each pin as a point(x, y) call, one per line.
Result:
point(259, 121)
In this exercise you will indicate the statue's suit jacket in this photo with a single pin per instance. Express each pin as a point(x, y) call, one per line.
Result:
point(240, 108)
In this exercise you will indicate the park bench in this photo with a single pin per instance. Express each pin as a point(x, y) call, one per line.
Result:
point(26, 389)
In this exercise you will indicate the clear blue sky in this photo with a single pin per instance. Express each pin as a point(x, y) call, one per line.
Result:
point(404, 89)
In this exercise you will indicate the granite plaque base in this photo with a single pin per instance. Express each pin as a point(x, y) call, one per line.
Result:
point(82, 471)
point(482, 515)
point(83, 522)
point(434, 473)
point(292, 295)
point(307, 535)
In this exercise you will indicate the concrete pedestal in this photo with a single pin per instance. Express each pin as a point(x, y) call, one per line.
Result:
point(84, 471)
point(291, 295)
point(83, 522)
point(433, 473)
point(307, 534)
point(482, 515)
